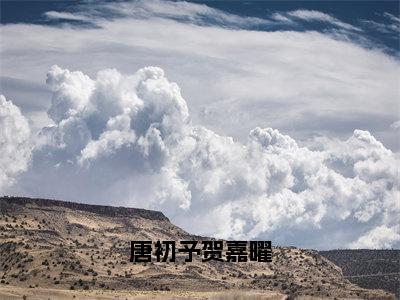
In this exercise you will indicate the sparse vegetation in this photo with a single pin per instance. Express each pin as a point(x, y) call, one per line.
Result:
point(85, 249)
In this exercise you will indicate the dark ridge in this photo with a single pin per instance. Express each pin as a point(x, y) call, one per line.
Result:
point(371, 269)
point(110, 211)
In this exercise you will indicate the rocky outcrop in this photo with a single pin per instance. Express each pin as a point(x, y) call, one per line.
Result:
point(110, 211)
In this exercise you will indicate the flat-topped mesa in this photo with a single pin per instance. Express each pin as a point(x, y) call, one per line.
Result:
point(7, 202)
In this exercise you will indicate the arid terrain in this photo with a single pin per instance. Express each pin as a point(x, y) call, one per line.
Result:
point(369, 268)
point(61, 250)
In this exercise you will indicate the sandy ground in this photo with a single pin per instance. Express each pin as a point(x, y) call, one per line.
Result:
point(13, 292)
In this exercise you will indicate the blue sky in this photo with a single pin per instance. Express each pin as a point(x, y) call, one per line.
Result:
point(261, 119)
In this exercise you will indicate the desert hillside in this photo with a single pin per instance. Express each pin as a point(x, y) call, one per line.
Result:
point(369, 268)
point(48, 244)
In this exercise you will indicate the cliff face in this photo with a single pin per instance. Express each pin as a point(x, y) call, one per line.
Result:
point(64, 245)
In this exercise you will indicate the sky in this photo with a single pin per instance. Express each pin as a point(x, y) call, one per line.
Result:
point(272, 120)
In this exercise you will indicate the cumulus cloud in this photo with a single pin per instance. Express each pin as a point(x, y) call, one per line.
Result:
point(378, 238)
point(303, 82)
point(15, 147)
point(130, 138)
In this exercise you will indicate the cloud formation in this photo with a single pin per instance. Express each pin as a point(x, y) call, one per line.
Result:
point(313, 16)
point(305, 83)
point(194, 13)
point(15, 147)
point(390, 25)
point(55, 15)
point(130, 139)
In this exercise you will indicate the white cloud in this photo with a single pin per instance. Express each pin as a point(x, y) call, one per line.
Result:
point(394, 19)
point(378, 238)
point(130, 140)
point(390, 25)
point(108, 142)
point(131, 136)
point(382, 27)
point(395, 125)
point(326, 86)
point(55, 15)
point(281, 18)
point(314, 15)
point(199, 14)
point(15, 147)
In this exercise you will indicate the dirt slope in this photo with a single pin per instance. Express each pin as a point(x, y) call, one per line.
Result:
point(48, 244)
